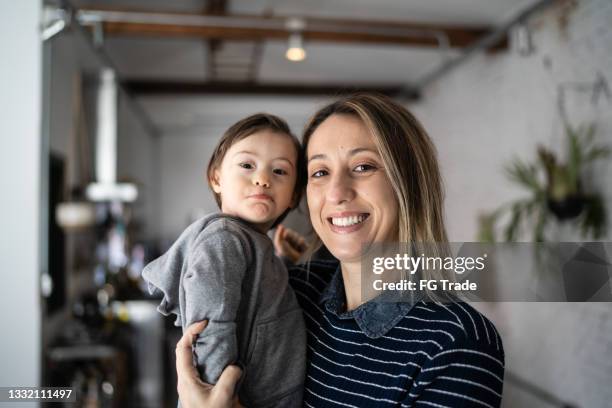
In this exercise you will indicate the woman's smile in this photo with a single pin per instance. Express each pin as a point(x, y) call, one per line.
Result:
point(347, 221)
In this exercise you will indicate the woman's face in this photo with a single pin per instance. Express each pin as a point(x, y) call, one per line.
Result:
point(350, 198)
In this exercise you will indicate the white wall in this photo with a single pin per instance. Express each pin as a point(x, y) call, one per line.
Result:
point(496, 107)
point(138, 162)
point(20, 178)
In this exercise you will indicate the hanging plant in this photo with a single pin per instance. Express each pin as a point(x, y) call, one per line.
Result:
point(556, 191)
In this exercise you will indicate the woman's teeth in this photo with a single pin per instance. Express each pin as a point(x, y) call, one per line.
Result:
point(348, 221)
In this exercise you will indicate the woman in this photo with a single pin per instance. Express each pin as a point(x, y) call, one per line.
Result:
point(373, 178)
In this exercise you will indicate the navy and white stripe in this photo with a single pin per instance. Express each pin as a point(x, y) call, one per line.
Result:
point(437, 355)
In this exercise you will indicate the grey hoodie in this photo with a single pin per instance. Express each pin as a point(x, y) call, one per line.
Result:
point(223, 270)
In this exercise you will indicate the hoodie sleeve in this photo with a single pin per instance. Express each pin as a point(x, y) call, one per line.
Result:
point(163, 277)
point(216, 265)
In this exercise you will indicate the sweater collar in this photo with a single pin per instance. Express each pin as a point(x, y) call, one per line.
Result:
point(375, 317)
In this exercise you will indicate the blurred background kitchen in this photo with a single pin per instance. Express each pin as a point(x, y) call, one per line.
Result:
point(110, 110)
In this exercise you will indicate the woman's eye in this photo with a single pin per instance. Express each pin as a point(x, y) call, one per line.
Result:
point(247, 166)
point(279, 171)
point(364, 167)
point(319, 173)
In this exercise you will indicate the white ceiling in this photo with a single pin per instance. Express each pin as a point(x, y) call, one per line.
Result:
point(167, 58)
point(350, 63)
point(443, 11)
point(187, 59)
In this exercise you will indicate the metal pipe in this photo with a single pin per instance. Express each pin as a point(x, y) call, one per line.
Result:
point(88, 17)
point(483, 44)
point(106, 128)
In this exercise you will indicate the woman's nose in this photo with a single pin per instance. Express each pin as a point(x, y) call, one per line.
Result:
point(340, 189)
point(262, 179)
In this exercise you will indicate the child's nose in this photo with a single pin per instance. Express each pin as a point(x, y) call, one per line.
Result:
point(262, 179)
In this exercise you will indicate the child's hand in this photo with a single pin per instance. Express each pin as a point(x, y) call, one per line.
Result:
point(289, 243)
point(192, 391)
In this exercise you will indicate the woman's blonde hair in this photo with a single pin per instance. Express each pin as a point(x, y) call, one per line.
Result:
point(409, 158)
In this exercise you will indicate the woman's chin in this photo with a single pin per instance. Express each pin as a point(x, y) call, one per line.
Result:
point(345, 250)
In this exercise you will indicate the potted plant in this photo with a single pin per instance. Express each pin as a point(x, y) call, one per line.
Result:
point(556, 191)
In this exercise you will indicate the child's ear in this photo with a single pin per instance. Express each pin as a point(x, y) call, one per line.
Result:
point(214, 182)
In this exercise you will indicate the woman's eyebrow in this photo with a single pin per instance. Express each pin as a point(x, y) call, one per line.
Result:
point(362, 149)
point(350, 153)
point(316, 157)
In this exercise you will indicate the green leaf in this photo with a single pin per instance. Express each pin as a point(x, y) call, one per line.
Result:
point(540, 225)
point(598, 152)
point(511, 230)
point(594, 220)
point(574, 161)
point(589, 134)
point(486, 227)
point(524, 174)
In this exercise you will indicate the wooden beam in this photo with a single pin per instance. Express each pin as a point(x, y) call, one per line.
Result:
point(253, 28)
point(149, 87)
point(215, 8)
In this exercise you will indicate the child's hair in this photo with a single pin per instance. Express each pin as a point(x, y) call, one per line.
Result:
point(247, 127)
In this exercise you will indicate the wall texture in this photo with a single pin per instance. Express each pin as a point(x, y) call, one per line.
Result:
point(496, 107)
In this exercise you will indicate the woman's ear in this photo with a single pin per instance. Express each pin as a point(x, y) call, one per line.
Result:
point(214, 181)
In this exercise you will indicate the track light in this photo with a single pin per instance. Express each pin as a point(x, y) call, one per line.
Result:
point(295, 50)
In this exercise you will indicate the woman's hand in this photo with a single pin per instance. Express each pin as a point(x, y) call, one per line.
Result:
point(193, 392)
point(289, 243)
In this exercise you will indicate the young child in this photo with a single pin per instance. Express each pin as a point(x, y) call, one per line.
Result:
point(223, 269)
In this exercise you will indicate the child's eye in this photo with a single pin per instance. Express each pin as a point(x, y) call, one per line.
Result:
point(319, 173)
point(246, 165)
point(279, 171)
point(362, 168)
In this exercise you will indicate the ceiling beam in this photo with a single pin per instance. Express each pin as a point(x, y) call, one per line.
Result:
point(215, 8)
point(150, 87)
point(252, 27)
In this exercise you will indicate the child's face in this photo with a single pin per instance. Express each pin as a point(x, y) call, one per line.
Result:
point(257, 177)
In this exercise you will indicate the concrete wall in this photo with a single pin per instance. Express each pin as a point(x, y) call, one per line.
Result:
point(496, 107)
point(20, 178)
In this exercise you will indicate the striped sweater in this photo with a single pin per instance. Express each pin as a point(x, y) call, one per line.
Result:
point(430, 355)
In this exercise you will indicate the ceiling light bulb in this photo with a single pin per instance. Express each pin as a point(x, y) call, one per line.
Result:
point(295, 51)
